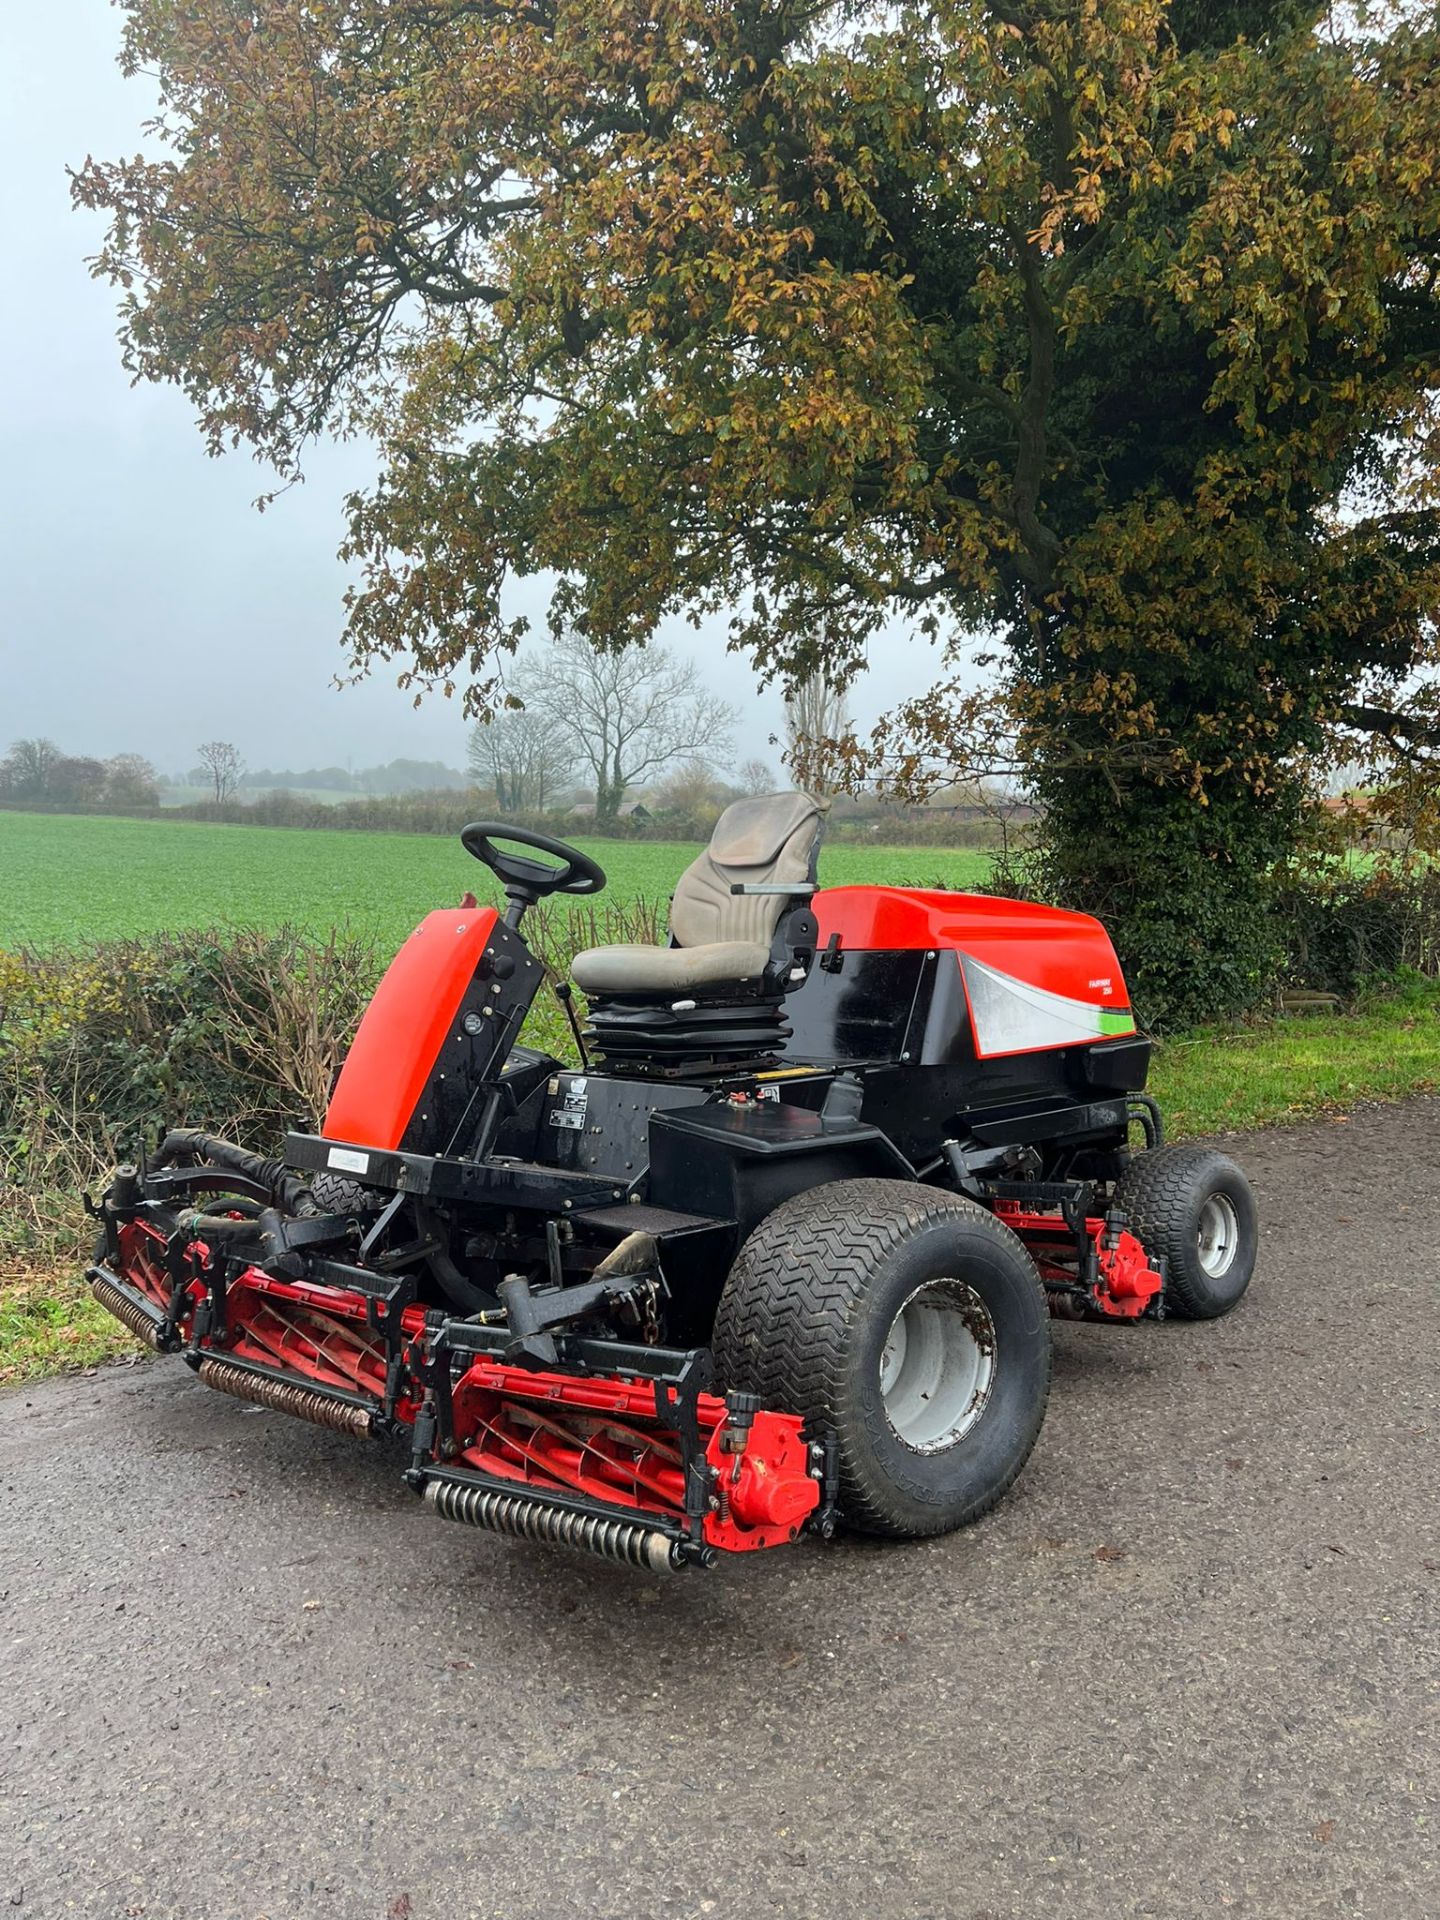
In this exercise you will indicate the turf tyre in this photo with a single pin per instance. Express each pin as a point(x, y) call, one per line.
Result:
point(1165, 1194)
point(333, 1194)
point(804, 1319)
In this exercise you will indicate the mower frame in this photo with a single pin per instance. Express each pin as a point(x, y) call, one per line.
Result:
point(521, 1264)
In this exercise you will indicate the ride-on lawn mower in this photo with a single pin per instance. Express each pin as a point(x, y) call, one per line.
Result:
point(780, 1254)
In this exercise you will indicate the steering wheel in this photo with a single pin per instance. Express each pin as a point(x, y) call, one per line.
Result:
point(527, 881)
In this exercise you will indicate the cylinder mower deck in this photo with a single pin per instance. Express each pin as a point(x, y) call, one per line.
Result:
point(686, 1301)
point(621, 1449)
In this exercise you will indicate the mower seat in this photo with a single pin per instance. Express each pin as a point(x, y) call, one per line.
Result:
point(720, 938)
point(620, 970)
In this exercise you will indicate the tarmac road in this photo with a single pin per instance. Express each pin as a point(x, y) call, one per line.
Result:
point(1189, 1667)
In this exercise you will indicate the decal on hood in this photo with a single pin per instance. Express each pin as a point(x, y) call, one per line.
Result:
point(1011, 1016)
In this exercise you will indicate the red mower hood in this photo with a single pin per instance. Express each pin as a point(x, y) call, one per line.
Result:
point(1035, 977)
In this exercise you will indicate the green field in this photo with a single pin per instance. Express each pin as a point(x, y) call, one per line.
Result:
point(69, 880)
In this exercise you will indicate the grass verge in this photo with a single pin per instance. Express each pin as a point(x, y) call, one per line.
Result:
point(49, 1324)
point(1216, 1080)
point(1220, 1080)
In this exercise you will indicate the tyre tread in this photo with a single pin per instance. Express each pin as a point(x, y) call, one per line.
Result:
point(333, 1193)
point(1157, 1205)
point(794, 1296)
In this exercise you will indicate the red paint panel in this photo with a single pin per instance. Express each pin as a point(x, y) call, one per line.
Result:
point(298, 1330)
point(405, 1026)
point(1047, 947)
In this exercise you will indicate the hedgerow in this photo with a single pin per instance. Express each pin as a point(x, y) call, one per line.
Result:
point(241, 1030)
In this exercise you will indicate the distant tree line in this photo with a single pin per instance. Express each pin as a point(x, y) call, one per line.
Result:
point(40, 772)
point(590, 741)
point(658, 725)
point(621, 740)
point(443, 812)
point(395, 776)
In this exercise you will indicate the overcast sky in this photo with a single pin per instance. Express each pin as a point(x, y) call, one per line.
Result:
point(147, 606)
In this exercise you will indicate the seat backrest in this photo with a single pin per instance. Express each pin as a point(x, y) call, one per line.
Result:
point(776, 838)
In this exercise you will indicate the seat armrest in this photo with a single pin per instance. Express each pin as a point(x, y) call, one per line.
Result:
point(801, 889)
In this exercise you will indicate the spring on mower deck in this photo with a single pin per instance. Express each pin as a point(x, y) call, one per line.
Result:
point(622, 1540)
point(303, 1402)
point(126, 1311)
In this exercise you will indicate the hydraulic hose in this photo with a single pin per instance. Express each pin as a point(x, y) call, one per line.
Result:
point(288, 1192)
point(291, 1196)
point(266, 1230)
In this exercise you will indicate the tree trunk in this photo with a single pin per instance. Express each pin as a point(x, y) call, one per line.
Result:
point(609, 792)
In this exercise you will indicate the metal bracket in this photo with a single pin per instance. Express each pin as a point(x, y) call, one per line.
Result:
point(677, 1407)
point(377, 1232)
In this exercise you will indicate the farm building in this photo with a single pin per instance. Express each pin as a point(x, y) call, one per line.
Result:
point(628, 810)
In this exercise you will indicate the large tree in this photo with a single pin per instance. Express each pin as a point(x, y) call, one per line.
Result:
point(28, 769)
point(131, 781)
point(625, 716)
point(522, 757)
point(1109, 330)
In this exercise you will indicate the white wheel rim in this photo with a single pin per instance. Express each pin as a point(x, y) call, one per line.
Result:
point(937, 1365)
point(1217, 1237)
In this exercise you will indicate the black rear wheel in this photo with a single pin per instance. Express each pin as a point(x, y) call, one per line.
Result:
point(1195, 1208)
point(910, 1324)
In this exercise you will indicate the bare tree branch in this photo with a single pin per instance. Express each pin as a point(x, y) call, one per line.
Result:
point(625, 715)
